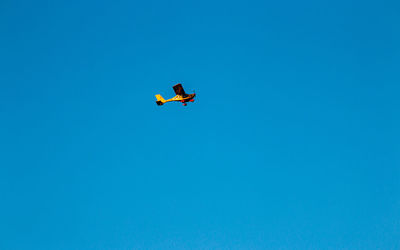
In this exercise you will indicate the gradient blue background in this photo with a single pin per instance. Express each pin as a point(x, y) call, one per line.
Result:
point(293, 142)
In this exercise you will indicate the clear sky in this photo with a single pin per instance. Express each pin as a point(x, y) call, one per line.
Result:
point(292, 143)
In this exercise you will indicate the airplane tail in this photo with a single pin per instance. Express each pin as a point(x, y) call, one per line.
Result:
point(160, 100)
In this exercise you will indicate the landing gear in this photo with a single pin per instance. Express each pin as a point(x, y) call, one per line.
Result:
point(184, 104)
point(191, 100)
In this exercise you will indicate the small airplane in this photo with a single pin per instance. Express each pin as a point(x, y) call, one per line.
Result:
point(181, 96)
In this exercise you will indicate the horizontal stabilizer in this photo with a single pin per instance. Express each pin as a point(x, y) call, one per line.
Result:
point(160, 100)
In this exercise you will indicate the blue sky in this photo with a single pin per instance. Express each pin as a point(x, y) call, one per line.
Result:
point(292, 143)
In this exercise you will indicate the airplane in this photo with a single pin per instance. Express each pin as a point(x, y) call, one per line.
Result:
point(181, 96)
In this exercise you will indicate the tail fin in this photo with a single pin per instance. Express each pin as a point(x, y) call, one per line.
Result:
point(160, 100)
